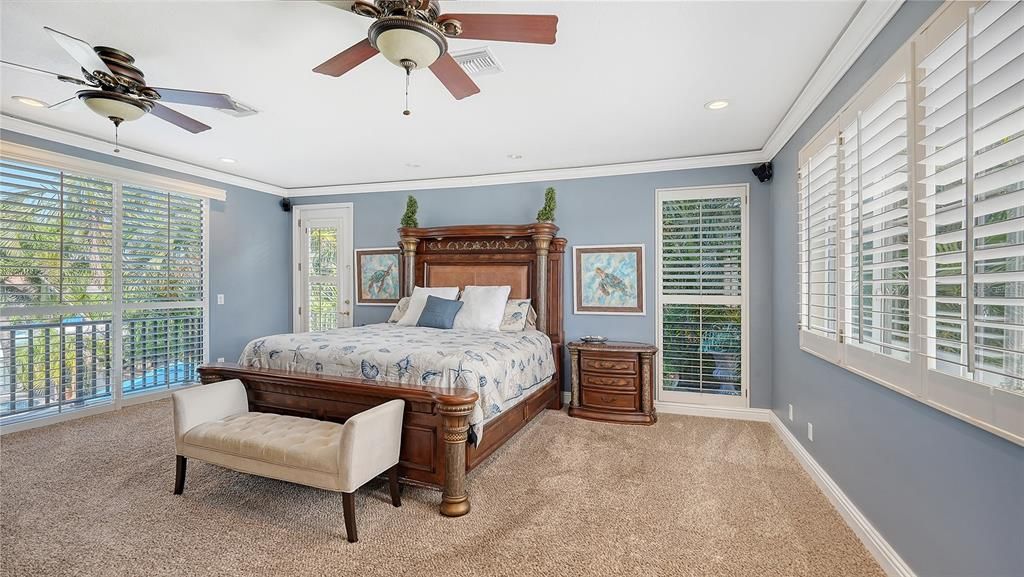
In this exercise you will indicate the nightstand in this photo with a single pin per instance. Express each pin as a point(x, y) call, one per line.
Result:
point(613, 381)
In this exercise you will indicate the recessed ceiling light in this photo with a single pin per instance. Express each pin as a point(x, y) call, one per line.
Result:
point(27, 101)
point(227, 160)
point(412, 165)
point(515, 156)
point(716, 104)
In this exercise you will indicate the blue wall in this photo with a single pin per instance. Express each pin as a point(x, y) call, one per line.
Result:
point(607, 210)
point(250, 254)
point(947, 495)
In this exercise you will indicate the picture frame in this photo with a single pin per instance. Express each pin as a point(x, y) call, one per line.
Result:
point(608, 279)
point(379, 275)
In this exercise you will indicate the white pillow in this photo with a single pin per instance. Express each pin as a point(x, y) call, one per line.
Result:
point(482, 307)
point(418, 300)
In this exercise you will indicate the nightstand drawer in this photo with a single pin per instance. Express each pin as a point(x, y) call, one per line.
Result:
point(609, 363)
point(612, 401)
point(628, 383)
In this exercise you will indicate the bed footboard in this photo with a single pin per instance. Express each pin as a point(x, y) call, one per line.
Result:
point(434, 430)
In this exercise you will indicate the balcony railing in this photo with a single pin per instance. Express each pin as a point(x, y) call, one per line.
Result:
point(51, 367)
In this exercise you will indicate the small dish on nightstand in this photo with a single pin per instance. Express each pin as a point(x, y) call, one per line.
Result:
point(593, 339)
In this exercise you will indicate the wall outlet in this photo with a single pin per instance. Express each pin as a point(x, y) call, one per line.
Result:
point(220, 299)
point(790, 411)
point(810, 432)
point(220, 359)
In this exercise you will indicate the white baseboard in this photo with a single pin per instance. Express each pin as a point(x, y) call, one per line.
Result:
point(880, 549)
point(739, 413)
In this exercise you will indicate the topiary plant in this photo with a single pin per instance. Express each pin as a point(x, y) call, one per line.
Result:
point(409, 218)
point(547, 212)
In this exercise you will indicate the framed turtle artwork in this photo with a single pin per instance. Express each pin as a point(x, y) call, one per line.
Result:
point(378, 276)
point(608, 279)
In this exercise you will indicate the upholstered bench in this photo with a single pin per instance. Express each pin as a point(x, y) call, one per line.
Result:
point(212, 423)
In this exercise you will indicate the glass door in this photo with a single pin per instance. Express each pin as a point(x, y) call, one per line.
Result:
point(324, 269)
point(702, 307)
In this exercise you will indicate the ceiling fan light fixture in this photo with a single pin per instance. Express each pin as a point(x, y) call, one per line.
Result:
point(113, 105)
point(402, 40)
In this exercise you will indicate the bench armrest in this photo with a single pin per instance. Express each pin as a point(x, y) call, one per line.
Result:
point(206, 403)
point(370, 443)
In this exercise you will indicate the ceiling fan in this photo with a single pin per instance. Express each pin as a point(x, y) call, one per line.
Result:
point(117, 90)
point(413, 34)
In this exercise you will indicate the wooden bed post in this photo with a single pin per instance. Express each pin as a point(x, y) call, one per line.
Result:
point(542, 242)
point(409, 244)
point(454, 500)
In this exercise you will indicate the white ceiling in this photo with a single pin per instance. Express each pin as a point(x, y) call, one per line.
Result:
point(626, 82)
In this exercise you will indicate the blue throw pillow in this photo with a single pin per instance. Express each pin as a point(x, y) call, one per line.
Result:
point(439, 313)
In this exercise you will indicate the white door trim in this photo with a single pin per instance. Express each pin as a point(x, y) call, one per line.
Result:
point(696, 399)
point(306, 211)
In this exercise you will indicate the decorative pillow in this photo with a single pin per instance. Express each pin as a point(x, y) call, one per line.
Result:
point(516, 311)
point(531, 319)
point(484, 306)
point(418, 300)
point(400, 308)
point(439, 313)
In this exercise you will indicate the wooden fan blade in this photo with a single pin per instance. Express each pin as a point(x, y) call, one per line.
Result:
point(347, 60)
point(178, 119)
point(80, 50)
point(536, 29)
point(454, 77)
point(196, 98)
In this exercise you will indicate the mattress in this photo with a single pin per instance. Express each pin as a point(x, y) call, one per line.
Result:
point(502, 367)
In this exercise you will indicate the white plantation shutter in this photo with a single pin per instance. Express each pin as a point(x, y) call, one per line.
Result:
point(971, 81)
point(817, 240)
point(56, 255)
point(102, 284)
point(701, 267)
point(162, 287)
point(875, 219)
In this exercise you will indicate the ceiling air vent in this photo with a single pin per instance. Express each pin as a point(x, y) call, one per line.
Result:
point(478, 61)
point(241, 110)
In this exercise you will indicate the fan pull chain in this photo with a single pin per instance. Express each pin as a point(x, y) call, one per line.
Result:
point(117, 124)
point(408, 65)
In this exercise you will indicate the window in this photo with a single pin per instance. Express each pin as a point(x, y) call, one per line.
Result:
point(931, 224)
point(102, 284)
point(701, 259)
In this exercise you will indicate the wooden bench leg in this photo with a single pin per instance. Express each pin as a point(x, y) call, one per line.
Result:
point(179, 474)
point(396, 490)
point(349, 503)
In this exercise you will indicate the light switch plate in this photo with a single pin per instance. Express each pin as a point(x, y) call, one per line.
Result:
point(791, 412)
point(220, 299)
point(810, 432)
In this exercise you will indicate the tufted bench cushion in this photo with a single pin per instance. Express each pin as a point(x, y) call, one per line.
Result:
point(279, 439)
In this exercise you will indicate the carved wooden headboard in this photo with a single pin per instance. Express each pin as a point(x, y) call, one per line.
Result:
point(529, 258)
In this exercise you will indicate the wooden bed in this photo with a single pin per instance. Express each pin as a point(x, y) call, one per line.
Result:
point(435, 452)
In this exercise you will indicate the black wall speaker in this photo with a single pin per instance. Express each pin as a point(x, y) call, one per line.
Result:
point(286, 205)
point(763, 172)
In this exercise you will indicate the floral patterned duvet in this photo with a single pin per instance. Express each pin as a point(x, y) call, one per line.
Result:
point(501, 366)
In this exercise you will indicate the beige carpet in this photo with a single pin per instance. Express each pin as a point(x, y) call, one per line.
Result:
point(566, 497)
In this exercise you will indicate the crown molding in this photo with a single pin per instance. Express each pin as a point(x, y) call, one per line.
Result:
point(871, 17)
point(89, 143)
point(730, 159)
point(862, 29)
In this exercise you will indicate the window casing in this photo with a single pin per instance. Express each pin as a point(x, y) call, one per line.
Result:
point(103, 285)
point(922, 309)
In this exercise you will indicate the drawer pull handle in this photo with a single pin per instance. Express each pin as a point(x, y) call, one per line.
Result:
point(611, 365)
point(601, 381)
point(607, 399)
